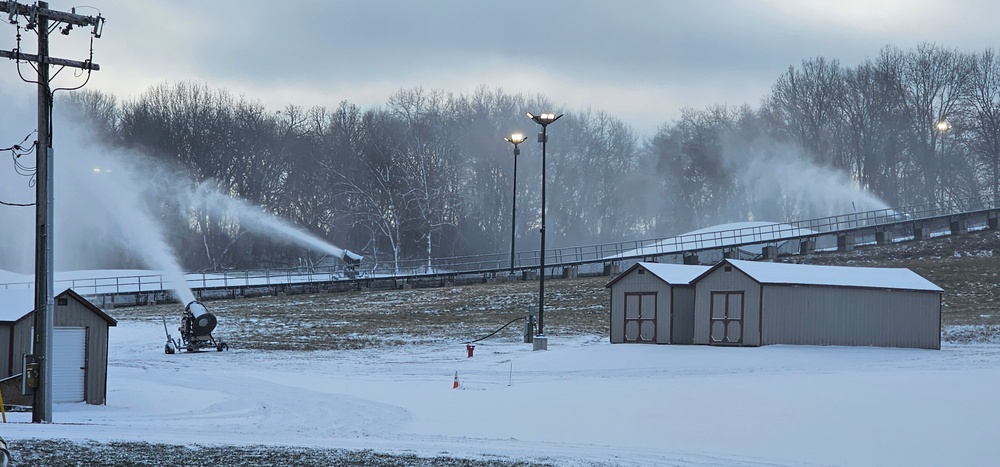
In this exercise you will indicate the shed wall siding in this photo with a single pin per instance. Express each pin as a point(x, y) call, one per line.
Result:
point(720, 280)
point(817, 315)
point(640, 283)
point(75, 314)
point(6, 338)
point(683, 315)
point(22, 342)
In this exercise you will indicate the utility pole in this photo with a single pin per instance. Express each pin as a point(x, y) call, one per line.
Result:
point(38, 17)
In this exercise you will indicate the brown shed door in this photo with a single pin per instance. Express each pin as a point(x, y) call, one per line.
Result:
point(726, 322)
point(640, 317)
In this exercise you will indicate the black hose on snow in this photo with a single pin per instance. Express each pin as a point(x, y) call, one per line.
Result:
point(498, 330)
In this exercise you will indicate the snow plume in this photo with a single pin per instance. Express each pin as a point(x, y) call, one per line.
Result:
point(17, 223)
point(101, 206)
point(138, 196)
point(782, 183)
point(102, 219)
point(207, 196)
point(116, 209)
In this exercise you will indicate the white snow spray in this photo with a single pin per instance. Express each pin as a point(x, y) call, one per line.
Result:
point(784, 185)
point(121, 210)
point(257, 220)
point(95, 190)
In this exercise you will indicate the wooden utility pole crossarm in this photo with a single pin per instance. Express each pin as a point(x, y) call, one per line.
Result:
point(38, 19)
point(86, 65)
point(41, 10)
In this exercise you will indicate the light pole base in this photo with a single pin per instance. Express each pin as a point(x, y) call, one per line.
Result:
point(540, 343)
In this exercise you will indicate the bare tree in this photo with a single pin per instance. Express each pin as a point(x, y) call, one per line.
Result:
point(804, 104)
point(984, 118)
point(933, 83)
point(371, 185)
point(872, 109)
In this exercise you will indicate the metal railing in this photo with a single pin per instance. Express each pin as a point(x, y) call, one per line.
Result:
point(494, 263)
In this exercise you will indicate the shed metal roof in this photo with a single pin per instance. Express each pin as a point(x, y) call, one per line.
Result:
point(674, 274)
point(841, 276)
point(15, 304)
point(678, 274)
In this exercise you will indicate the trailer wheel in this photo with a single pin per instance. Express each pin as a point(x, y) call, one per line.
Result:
point(222, 346)
point(167, 349)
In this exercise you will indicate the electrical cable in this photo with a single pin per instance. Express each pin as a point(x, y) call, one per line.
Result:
point(4, 203)
point(89, 62)
point(16, 151)
point(18, 145)
point(17, 61)
point(498, 330)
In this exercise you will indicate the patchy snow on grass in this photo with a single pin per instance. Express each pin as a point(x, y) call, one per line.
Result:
point(584, 401)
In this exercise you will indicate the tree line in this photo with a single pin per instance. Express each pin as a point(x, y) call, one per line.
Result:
point(428, 174)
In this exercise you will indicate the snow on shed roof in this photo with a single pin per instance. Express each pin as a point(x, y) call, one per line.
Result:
point(675, 273)
point(842, 276)
point(16, 303)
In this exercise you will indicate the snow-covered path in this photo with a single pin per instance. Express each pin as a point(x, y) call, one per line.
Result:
point(581, 401)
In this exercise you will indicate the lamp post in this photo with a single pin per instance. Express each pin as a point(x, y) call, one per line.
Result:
point(943, 127)
point(544, 120)
point(515, 139)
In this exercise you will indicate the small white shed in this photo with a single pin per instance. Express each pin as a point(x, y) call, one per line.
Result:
point(654, 303)
point(79, 344)
point(751, 303)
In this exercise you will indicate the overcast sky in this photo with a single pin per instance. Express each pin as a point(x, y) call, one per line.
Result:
point(642, 61)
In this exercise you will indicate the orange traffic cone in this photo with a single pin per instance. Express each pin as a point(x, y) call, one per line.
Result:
point(455, 386)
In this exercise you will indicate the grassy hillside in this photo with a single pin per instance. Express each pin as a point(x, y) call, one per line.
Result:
point(965, 266)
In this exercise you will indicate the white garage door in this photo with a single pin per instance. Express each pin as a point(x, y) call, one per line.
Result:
point(69, 363)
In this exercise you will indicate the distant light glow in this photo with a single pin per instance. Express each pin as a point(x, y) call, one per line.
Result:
point(943, 126)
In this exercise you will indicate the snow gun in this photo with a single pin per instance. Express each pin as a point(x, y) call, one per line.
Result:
point(196, 329)
point(351, 258)
point(352, 261)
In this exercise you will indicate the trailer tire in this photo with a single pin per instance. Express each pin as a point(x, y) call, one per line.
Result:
point(167, 349)
point(221, 347)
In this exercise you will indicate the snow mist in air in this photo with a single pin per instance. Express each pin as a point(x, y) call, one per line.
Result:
point(121, 210)
point(782, 183)
point(254, 219)
point(99, 192)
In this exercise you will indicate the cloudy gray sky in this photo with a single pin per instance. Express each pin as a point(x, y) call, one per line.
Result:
point(642, 61)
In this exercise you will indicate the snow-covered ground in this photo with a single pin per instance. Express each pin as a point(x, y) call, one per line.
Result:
point(582, 401)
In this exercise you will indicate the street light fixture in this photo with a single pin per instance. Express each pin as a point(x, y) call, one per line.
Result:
point(515, 139)
point(544, 120)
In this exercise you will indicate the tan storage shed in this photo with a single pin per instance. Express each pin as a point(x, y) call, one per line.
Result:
point(654, 303)
point(80, 344)
point(750, 303)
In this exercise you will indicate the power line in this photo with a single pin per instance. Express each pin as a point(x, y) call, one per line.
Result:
point(16, 204)
point(16, 151)
point(18, 147)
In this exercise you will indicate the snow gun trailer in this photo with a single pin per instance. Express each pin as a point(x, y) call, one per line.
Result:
point(196, 329)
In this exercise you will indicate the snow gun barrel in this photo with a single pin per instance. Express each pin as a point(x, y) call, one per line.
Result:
point(351, 258)
point(202, 322)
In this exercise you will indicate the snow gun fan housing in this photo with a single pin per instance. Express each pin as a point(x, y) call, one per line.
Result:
point(351, 258)
point(201, 322)
point(196, 329)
